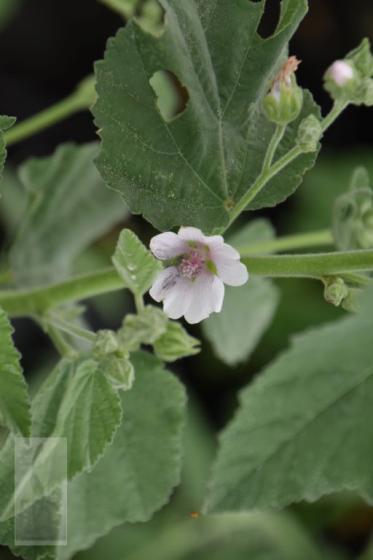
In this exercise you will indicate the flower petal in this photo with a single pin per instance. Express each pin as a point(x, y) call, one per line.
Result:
point(232, 272)
point(217, 294)
point(167, 245)
point(201, 305)
point(192, 234)
point(178, 299)
point(165, 281)
point(224, 251)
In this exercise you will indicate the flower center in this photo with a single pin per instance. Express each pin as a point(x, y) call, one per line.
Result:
point(192, 264)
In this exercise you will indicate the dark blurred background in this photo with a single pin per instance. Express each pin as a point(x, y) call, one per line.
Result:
point(48, 46)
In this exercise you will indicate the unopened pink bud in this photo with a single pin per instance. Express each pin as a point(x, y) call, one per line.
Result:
point(341, 72)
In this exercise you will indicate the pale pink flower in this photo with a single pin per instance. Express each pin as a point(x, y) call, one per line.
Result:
point(193, 286)
point(341, 72)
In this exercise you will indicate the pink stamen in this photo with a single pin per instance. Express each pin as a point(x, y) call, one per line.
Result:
point(191, 265)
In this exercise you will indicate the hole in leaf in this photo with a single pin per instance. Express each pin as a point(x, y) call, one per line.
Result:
point(172, 96)
point(150, 16)
point(270, 18)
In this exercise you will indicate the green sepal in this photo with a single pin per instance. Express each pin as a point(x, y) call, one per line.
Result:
point(282, 105)
point(144, 328)
point(175, 343)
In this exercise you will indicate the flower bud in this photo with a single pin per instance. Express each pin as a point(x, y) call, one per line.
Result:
point(341, 72)
point(335, 290)
point(342, 80)
point(309, 134)
point(353, 217)
point(284, 101)
point(106, 342)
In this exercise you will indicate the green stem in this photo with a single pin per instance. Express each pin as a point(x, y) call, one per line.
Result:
point(272, 148)
point(262, 180)
point(71, 329)
point(59, 341)
point(82, 98)
point(337, 109)
point(37, 302)
point(312, 265)
point(268, 172)
point(287, 243)
point(139, 303)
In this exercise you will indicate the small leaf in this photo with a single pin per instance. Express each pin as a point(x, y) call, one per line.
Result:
point(14, 399)
point(119, 370)
point(134, 263)
point(68, 209)
point(143, 328)
point(248, 310)
point(78, 402)
point(304, 427)
point(175, 343)
point(193, 169)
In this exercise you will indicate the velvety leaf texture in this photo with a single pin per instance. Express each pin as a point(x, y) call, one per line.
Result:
point(14, 399)
point(192, 169)
point(304, 427)
point(136, 475)
point(69, 208)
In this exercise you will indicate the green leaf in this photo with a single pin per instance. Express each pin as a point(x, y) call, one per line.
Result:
point(144, 328)
point(250, 233)
point(5, 124)
point(134, 263)
point(175, 343)
point(138, 472)
point(247, 310)
point(14, 399)
point(78, 402)
point(193, 169)
point(304, 427)
point(68, 210)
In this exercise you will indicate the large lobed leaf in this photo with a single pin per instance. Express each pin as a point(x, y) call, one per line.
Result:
point(14, 399)
point(192, 169)
point(68, 209)
point(304, 428)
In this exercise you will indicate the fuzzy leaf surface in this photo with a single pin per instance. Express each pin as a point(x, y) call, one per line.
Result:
point(304, 427)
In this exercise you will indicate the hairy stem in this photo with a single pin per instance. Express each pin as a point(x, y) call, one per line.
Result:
point(287, 243)
point(37, 302)
point(272, 148)
point(82, 98)
point(311, 265)
point(271, 170)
